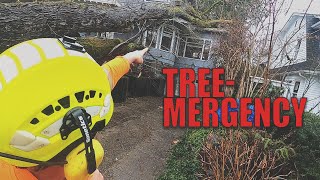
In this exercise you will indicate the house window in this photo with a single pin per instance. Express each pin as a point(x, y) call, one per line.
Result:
point(150, 38)
point(296, 88)
point(109, 35)
point(195, 48)
point(206, 50)
point(165, 1)
point(166, 42)
point(181, 46)
point(167, 39)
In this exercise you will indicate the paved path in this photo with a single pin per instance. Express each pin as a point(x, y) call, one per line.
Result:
point(136, 144)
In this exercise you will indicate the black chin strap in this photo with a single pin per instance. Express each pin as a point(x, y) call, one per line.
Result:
point(79, 118)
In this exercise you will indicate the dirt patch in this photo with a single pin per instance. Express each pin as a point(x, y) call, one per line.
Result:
point(135, 142)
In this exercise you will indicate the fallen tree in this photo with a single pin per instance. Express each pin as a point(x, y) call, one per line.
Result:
point(22, 21)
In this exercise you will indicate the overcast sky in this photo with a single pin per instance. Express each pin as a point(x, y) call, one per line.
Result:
point(298, 6)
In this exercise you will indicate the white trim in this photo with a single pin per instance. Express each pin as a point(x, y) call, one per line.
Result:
point(161, 36)
point(144, 39)
point(210, 50)
point(173, 41)
point(158, 38)
point(185, 47)
point(261, 79)
point(193, 59)
point(201, 56)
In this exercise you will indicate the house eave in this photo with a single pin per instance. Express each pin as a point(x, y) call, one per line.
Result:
point(261, 80)
point(316, 25)
point(301, 72)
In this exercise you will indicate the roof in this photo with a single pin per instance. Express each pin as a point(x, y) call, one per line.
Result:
point(306, 65)
point(293, 18)
point(310, 65)
point(214, 30)
point(316, 25)
point(187, 28)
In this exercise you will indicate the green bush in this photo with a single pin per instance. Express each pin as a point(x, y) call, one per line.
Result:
point(183, 163)
point(306, 144)
point(300, 147)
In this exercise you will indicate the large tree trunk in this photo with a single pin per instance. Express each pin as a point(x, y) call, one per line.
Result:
point(21, 21)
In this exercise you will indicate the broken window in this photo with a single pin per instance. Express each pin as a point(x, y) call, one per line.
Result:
point(195, 48)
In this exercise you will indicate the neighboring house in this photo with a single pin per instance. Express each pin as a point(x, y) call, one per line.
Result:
point(109, 2)
point(297, 58)
point(130, 2)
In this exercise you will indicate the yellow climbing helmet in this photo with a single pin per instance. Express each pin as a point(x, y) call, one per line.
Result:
point(53, 97)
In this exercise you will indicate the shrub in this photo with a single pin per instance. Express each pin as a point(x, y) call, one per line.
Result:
point(306, 143)
point(244, 154)
point(183, 163)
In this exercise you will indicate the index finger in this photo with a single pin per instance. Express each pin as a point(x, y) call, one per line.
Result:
point(143, 51)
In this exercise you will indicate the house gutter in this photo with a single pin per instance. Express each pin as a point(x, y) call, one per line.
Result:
point(302, 75)
point(300, 72)
point(316, 25)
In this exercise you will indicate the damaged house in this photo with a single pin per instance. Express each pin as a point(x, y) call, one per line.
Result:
point(175, 43)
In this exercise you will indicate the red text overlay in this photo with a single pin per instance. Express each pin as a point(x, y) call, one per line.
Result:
point(197, 105)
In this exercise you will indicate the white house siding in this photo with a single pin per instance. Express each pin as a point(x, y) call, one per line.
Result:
point(293, 32)
point(312, 94)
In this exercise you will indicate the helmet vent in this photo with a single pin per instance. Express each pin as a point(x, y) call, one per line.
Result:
point(34, 121)
point(65, 102)
point(57, 108)
point(92, 93)
point(48, 110)
point(79, 96)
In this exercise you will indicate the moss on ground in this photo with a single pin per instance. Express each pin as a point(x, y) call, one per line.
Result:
point(99, 49)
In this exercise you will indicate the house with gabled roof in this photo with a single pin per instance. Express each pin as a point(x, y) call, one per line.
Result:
point(297, 58)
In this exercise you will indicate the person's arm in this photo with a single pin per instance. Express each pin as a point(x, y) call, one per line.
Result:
point(120, 66)
point(11, 172)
